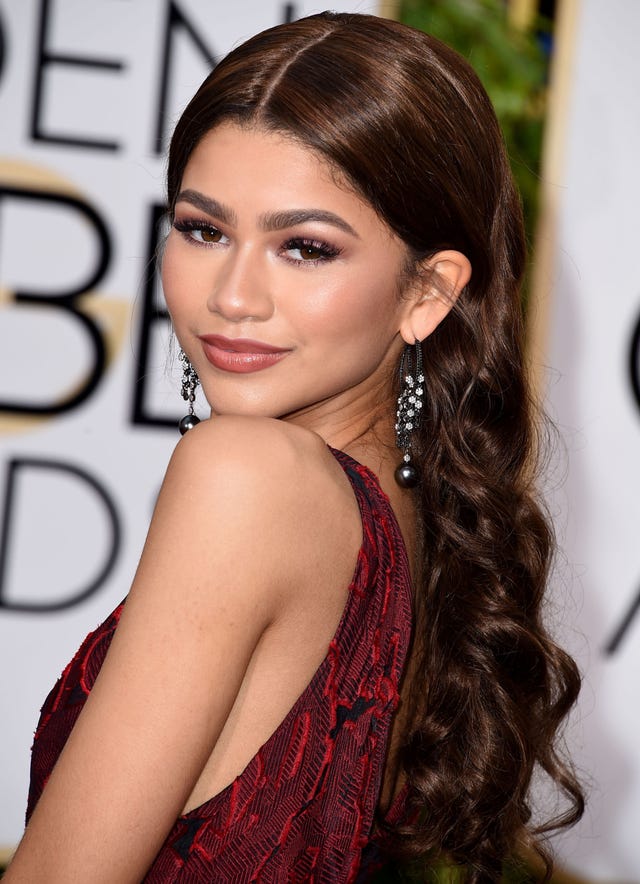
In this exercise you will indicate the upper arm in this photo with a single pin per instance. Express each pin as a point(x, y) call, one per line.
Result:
point(210, 581)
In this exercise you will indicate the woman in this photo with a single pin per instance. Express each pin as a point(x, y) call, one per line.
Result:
point(332, 647)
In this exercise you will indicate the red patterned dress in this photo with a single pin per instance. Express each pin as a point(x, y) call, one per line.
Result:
point(303, 810)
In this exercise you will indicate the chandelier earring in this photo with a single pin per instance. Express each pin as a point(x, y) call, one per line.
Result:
point(409, 413)
point(190, 381)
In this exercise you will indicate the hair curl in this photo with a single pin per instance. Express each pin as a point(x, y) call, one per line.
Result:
point(407, 122)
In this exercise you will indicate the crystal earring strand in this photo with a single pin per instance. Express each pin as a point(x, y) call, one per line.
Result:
point(190, 381)
point(409, 413)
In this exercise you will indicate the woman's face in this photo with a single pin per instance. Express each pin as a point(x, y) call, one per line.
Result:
point(281, 283)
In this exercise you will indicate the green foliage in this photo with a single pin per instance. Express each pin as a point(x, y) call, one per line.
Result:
point(513, 68)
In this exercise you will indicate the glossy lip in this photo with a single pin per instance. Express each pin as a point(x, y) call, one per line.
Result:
point(240, 355)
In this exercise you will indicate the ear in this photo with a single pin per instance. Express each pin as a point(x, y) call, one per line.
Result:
point(434, 293)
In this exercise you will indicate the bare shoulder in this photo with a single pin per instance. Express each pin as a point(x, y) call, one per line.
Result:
point(245, 457)
point(274, 485)
point(254, 445)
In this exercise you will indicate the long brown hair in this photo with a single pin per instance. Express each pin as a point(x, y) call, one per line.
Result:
point(407, 122)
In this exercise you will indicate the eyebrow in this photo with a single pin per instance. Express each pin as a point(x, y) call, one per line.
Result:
point(210, 206)
point(281, 220)
point(269, 221)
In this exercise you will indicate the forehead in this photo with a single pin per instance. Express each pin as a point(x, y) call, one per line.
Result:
point(271, 170)
point(260, 145)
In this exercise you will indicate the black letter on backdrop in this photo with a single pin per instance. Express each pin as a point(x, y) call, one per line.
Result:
point(614, 642)
point(634, 363)
point(94, 585)
point(45, 57)
point(634, 377)
point(174, 19)
point(151, 314)
point(66, 301)
point(289, 13)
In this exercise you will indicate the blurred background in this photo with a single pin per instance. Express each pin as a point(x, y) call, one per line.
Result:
point(89, 380)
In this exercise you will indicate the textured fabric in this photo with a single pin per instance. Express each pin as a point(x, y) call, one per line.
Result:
point(303, 810)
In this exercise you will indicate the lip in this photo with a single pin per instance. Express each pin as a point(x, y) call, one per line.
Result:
point(240, 355)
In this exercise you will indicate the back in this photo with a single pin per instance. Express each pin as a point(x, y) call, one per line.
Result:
point(304, 807)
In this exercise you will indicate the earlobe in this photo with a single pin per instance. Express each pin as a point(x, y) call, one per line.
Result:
point(436, 291)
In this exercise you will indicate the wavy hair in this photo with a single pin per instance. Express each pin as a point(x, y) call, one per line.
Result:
point(406, 121)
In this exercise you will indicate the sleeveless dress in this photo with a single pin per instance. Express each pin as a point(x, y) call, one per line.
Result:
point(303, 810)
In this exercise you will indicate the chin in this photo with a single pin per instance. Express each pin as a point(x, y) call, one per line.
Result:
point(239, 408)
point(272, 403)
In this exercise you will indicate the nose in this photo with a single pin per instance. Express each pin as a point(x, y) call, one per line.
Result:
point(240, 289)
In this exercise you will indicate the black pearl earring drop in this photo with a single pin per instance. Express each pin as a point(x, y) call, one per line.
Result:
point(406, 474)
point(190, 381)
point(409, 413)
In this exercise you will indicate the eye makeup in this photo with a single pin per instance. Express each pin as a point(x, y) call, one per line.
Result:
point(310, 251)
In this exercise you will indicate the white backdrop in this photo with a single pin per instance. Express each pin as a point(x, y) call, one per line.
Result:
point(81, 177)
point(595, 366)
point(88, 392)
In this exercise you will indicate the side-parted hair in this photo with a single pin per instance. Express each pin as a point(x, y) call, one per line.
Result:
point(405, 121)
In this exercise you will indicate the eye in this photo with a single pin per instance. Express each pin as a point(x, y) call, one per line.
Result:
point(207, 234)
point(199, 231)
point(309, 251)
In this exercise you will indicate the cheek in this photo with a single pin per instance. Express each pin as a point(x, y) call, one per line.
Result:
point(167, 267)
point(364, 305)
point(174, 275)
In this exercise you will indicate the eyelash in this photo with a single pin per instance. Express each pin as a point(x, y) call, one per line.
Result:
point(326, 251)
point(189, 226)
